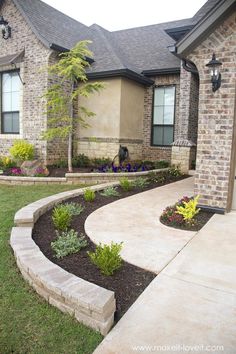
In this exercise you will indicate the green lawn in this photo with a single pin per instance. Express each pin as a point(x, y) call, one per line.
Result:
point(27, 323)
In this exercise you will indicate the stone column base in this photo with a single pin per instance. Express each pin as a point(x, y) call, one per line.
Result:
point(183, 156)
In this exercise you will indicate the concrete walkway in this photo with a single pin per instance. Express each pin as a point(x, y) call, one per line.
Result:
point(135, 220)
point(191, 305)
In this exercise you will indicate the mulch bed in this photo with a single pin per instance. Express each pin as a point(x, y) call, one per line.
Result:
point(200, 220)
point(127, 283)
point(61, 171)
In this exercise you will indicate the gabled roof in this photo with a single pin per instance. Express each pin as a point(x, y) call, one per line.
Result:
point(216, 11)
point(50, 25)
point(131, 52)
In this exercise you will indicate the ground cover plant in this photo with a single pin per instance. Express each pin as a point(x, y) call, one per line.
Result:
point(68, 242)
point(80, 264)
point(28, 324)
point(185, 214)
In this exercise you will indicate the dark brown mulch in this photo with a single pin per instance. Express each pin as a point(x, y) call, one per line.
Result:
point(127, 283)
point(200, 220)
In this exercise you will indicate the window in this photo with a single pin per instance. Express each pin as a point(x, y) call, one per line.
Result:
point(163, 116)
point(10, 102)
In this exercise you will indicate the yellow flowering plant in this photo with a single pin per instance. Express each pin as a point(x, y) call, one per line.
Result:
point(189, 209)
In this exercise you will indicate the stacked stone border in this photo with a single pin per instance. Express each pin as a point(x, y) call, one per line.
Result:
point(90, 304)
point(76, 178)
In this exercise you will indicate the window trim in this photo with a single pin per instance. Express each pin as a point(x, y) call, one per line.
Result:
point(162, 125)
point(2, 124)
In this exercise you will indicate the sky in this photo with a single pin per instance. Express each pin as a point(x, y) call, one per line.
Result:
point(121, 14)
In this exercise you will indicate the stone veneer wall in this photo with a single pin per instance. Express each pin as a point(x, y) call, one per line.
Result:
point(32, 119)
point(157, 152)
point(216, 116)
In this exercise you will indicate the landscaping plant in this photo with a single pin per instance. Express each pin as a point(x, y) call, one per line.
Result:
point(189, 209)
point(74, 208)
point(61, 217)
point(182, 213)
point(110, 192)
point(175, 171)
point(81, 161)
point(68, 242)
point(89, 195)
point(140, 182)
point(60, 97)
point(22, 151)
point(125, 184)
point(107, 257)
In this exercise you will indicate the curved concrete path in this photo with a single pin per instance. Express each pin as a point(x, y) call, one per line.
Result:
point(135, 220)
point(191, 304)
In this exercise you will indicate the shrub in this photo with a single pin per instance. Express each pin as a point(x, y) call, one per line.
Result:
point(60, 164)
point(6, 162)
point(101, 161)
point(89, 195)
point(74, 208)
point(156, 177)
point(140, 182)
point(183, 212)
point(174, 171)
point(81, 161)
point(110, 192)
point(22, 150)
point(161, 164)
point(107, 257)
point(189, 209)
point(61, 217)
point(68, 242)
point(125, 184)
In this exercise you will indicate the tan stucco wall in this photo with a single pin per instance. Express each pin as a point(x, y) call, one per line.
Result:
point(119, 120)
point(132, 110)
point(106, 106)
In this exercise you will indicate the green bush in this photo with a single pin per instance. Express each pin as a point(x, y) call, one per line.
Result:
point(161, 164)
point(61, 217)
point(140, 182)
point(110, 192)
point(68, 242)
point(125, 184)
point(60, 164)
point(22, 150)
point(174, 171)
point(107, 257)
point(89, 195)
point(100, 161)
point(156, 177)
point(74, 208)
point(81, 161)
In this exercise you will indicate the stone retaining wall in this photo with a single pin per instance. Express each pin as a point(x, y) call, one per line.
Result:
point(76, 178)
point(92, 305)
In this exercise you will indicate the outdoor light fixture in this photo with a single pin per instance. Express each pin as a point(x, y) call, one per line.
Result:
point(6, 29)
point(214, 66)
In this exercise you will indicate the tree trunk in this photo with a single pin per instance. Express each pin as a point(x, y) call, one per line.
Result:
point(70, 168)
point(70, 137)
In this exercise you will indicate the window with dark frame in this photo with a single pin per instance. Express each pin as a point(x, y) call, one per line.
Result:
point(10, 102)
point(163, 116)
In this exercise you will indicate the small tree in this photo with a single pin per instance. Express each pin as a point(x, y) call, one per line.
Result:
point(71, 82)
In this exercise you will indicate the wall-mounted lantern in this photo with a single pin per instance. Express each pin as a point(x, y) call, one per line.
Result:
point(214, 66)
point(6, 29)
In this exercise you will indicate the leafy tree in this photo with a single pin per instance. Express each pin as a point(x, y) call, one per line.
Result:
point(69, 73)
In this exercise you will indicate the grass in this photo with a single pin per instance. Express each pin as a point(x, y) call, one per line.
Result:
point(27, 323)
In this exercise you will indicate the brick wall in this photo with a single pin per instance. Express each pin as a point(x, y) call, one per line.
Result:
point(154, 152)
point(32, 118)
point(216, 116)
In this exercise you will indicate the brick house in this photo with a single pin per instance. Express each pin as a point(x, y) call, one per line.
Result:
point(158, 99)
